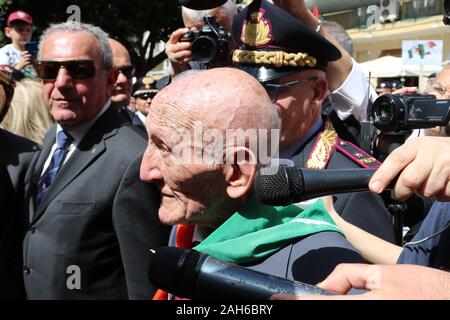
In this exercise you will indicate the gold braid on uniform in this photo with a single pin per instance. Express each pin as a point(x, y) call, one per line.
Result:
point(276, 58)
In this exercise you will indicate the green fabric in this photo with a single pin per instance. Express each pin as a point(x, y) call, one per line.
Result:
point(257, 231)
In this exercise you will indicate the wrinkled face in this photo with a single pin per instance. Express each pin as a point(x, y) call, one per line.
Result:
point(191, 193)
point(294, 107)
point(19, 33)
point(73, 101)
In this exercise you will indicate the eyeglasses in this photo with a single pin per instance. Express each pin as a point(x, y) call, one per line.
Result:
point(78, 69)
point(145, 96)
point(436, 88)
point(127, 71)
point(273, 89)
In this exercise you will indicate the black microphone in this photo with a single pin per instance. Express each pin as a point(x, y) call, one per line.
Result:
point(191, 274)
point(283, 185)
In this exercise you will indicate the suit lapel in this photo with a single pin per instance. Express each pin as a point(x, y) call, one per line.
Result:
point(88, 151)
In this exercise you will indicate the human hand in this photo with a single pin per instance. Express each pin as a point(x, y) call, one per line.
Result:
point(387, 282)
point(26, 59)
point(422, 165)
point(179, 53)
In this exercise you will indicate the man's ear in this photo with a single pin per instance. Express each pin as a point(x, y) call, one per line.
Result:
point(320, 90)
point(240, 174)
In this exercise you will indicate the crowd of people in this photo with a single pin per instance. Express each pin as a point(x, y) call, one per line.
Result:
point(97, 170)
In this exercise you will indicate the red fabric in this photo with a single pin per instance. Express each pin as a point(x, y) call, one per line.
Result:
point(316, 12)
point(183, 240)
point(184, 236)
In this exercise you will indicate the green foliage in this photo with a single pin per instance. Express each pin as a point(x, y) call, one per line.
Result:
point(126, 21)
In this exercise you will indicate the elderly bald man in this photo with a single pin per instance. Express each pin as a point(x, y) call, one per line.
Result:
point(206, 179)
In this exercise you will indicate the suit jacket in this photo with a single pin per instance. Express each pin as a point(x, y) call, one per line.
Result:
point(91, 235)
point(16, 154)
point(11, 284)
point(363, 209)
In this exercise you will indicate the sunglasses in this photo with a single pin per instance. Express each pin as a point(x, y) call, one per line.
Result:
point(127, 71)
point(78, 69)
point(145, 96)
point(273, 89)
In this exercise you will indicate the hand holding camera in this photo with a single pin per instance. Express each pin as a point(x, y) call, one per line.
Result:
point(179, 53)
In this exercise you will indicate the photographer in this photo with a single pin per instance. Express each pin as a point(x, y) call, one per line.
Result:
point(179, 52)
point(440, 87)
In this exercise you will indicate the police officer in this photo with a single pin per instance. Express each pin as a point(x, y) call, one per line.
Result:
point(290, 60)
point(143, 92)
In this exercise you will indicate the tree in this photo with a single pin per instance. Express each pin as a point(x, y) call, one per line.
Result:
point(138, 24)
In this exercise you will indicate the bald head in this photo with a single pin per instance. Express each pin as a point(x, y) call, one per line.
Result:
point(123, 85)
point(224, 98)
point(121, 56)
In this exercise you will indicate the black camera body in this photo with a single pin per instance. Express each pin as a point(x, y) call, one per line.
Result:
point(209, 44)
point(404, 112)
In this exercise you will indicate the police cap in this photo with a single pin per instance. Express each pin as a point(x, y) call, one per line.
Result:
point(272, 43)
point(145, 85)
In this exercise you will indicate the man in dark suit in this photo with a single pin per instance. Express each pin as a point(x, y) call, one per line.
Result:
point(11, 286)
point(15, 157)
point(294, 66)
point(91, 220)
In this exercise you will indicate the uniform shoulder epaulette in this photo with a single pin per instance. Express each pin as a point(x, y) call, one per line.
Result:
point(327, 142)
point(357, 155)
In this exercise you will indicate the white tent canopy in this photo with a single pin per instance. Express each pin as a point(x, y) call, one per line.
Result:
point(391, 67)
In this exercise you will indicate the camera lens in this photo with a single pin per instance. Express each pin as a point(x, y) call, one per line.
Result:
point(204, 49)
point(384, 113)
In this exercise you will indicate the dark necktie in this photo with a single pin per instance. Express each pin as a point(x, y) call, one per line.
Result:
point(63, 140)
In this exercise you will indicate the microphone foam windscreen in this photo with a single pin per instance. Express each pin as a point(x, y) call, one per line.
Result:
point(276, 188)
point(201, 4)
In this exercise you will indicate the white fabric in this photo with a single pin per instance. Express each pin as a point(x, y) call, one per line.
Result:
point(391, 67)
point(9, 56)
point(353, 96)
point(141, 117)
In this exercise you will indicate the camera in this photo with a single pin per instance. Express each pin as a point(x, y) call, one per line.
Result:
point(405, 112)
point(209, 44)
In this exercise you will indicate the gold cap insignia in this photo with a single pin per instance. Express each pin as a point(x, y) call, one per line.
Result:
point(148, 82)
point(258, 31)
